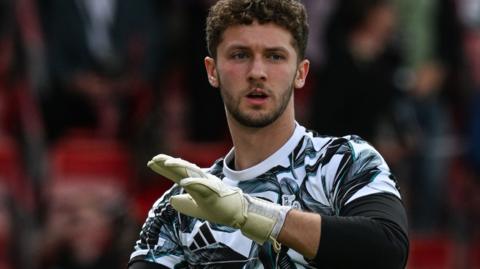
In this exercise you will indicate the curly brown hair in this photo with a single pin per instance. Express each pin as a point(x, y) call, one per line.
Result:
point(289, 14)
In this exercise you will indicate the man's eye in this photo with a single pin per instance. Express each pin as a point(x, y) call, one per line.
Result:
point(239, 55)
point(276, 57)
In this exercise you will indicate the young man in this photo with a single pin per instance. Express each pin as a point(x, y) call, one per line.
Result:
point(283, 197)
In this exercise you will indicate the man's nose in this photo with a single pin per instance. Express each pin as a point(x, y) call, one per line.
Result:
point(257, 69)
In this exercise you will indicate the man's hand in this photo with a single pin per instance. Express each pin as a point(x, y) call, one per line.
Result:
point(210, 199)
point(175, 169)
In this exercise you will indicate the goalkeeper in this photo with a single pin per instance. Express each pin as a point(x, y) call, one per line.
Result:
point(284, 196)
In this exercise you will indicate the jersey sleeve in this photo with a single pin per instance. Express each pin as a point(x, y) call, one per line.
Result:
point(159, 241)
point(368, 217)
point(359, 171)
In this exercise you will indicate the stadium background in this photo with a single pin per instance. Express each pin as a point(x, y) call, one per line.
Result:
point(91, 89)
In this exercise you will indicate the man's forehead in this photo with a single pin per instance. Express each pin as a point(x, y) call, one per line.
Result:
point(266, 36)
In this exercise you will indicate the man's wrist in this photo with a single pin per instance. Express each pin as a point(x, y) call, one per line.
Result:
point(302, 232)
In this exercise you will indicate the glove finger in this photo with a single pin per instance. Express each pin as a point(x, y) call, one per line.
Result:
point(174, 168)
point(199, 189)
point(161, 157)
point(203, 188)
point(171, 174)
point(185, 204)
point(191, 169)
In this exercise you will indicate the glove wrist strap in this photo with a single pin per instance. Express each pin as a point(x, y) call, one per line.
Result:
point(282, 215)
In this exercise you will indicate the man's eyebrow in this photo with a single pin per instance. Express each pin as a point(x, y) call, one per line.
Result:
point(275, 49)
point(268, 49)
point(237, 46)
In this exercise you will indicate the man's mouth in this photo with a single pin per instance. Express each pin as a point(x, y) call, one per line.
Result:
point(257, 95)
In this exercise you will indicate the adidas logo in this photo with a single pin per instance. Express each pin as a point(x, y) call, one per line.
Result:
point(202, 238)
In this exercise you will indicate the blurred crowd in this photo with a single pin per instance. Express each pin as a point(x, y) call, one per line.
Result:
point(92, 89)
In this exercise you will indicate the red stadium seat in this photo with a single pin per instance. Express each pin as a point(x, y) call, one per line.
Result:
point(91, 160)
point(85, 170)
point(430, 252)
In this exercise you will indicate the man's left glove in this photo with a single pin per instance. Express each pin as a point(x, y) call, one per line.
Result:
point(210, 199)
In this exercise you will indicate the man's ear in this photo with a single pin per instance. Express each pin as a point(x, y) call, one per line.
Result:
point(211, 71)
point(302, 73)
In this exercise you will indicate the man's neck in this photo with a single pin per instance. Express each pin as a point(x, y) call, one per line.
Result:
point(253, 145)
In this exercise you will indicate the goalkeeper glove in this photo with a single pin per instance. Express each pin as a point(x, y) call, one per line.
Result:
point(210, 199)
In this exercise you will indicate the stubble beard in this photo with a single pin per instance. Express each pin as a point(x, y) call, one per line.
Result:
point(255, 120)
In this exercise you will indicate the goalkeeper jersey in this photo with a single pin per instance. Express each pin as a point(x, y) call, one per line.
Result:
point(309, 172)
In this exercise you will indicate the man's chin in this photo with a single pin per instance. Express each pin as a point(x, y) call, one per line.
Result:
point(258, 121)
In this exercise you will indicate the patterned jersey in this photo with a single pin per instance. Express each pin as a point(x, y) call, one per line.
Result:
point(309, 172)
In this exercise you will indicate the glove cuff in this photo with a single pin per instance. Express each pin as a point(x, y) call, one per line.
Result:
point(264, 220)
point(282, 215)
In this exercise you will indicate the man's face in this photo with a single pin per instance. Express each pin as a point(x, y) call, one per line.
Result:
point(256, 70)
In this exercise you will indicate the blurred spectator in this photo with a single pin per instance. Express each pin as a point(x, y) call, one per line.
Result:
point(11, 68)
point(108, 66)
point(470, 11)
point(319, 14)
point(467, 208)
point(203, 103)
point(17, 111)
point(356, 87)
point(431, 40)
point(87, 225)
point(104, 56)
point(87, 217)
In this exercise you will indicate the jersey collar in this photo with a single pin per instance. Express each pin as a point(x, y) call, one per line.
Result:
point(280, 157)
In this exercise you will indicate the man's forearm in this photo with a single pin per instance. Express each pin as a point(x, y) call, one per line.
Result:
point(301, 232)
point(373, 224)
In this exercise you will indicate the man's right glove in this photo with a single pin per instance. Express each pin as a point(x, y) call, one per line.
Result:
point(210, 199)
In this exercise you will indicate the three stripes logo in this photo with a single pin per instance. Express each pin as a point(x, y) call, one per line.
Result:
point(203, 238)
